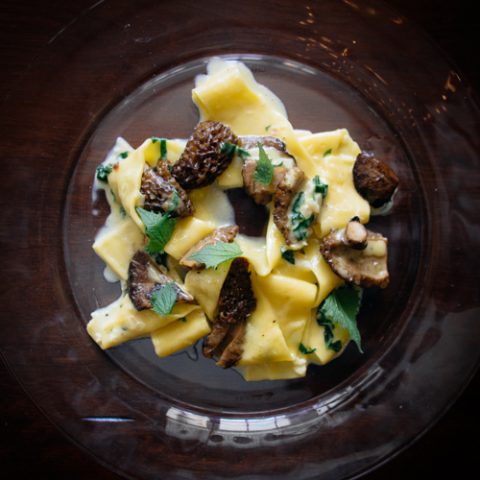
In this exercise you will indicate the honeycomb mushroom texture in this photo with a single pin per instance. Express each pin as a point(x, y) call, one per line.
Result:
point(203, 160)
point(163, 193)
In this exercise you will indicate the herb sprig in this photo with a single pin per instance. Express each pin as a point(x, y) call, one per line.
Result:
point(158, 228)
point(264, 169)
point(341, 308)
point(164, 299)
point(230, 149)
point(213, 255)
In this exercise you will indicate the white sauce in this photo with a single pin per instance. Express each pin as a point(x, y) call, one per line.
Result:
point(109, 275)
point(312, 201)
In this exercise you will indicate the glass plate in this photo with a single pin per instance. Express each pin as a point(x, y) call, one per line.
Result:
point(127, 70)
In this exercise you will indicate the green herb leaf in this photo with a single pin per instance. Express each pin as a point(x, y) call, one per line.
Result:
point(163, 149)
point(161, 258)
point(123, 155)
point(327, 152)
point(229, 149)
point(164, 299)
point(341, 307)
point(306, 350)
point(264, 170)
point(158, 228)
point(242, 153)
point(103, 171)
point(213, 255)
point(300, 223)
point(288, 255)
point(267, 128)
point(320, 187)
point(163, 146)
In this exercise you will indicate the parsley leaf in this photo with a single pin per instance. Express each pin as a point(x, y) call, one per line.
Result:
point(163, 146)
point(229, 149)
point(123, 155)
point(213, 255)
point(264, 170)
point(242, 153)
point(319, 186)
point(306, 350)
point(158, 228)
point(267, 128)
point(164, 298)
point(103, 171)
point(300, 223)
point(327, 152)
point(341, 308)
point(288, 255)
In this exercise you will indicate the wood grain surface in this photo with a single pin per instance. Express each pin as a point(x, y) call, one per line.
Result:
point(30, 446)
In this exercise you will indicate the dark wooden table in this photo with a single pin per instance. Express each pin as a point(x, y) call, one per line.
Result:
point(31, 447)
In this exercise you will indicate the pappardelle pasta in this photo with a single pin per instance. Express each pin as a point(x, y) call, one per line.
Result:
point(268, 305)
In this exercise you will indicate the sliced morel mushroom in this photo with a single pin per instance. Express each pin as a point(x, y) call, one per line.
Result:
point(374, 179)
point(144, 277)
point(355, 257)
point(234, 339)
point(222, 234)
point(205, 156)
point(163, 193)
point(281, 160)
point(236, 302)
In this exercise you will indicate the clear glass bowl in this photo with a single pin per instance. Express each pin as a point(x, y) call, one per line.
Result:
point(121, 70)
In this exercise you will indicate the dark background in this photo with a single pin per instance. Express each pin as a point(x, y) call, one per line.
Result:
point(31, 447)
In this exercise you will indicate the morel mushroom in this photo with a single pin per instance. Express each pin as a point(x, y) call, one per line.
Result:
point(374, 179)
point(144, 278)
point(236, 302)
point(205, 156)
point(222, 234)
point(163, 193)
point(356, 256)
